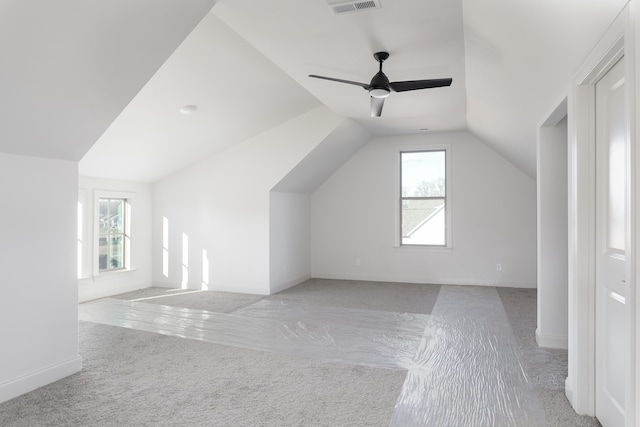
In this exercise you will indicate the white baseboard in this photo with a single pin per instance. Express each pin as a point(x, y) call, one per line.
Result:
point(438, 281)
point(26, 383)
point(89, 292)
point(568, 391)
point(552, 341)
point(289, 284)
point(239, 289)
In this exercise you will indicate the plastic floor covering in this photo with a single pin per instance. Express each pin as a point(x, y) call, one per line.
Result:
point(462, 363)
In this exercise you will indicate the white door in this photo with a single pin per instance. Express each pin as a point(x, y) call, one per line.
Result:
point(611, 210)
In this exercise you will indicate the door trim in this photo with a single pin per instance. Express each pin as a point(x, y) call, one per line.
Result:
point(580, 384)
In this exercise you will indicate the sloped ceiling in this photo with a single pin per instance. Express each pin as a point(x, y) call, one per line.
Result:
point(239, 93)
point(510, 60)
point(520, 57)
point(425, 40)
point(324, 160)
point(68, 67)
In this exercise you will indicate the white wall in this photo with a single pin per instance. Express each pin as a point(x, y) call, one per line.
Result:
point(92, 283)
point(493, 219)
point(553, 236)
point(221, 207)
point(289, 239)
point(289, 204)
point(38, 309)
point(56, 101)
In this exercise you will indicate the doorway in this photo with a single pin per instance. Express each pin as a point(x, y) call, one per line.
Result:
point(552, 230)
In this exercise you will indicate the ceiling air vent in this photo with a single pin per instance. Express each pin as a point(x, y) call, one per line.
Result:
point(354, 6)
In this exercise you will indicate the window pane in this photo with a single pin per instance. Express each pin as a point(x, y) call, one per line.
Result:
point(103, 261)
point(111, 243)
point(116, 251)
point(116, 210)
point(423, 174)
point(103, 223)
point(103, 251)
point(423, 222)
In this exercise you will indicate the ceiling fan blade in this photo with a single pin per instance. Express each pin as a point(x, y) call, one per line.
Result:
point(419, 84)
point(364, 85)
point(376, 106)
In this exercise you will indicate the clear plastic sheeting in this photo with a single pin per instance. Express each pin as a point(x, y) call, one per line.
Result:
point(466, 376)
point(471, 374)
point(363, 337)
point(459, 371)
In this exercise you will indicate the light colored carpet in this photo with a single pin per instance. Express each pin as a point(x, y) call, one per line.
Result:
point(546, 368)
point(136, 378)
point(372, 338)
point(219, 302)
point(394, 297)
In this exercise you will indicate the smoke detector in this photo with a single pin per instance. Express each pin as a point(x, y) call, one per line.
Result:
point(354, 6)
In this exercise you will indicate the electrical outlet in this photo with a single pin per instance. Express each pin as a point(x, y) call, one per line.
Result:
point(357, 261)
point(498, 267)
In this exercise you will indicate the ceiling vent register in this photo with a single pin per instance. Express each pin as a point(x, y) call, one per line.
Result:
point(354, 6)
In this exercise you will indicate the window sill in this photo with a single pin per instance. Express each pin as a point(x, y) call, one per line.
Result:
point(108, 275)
point(423, 249)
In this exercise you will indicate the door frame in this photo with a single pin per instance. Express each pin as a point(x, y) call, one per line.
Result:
point(617, 42)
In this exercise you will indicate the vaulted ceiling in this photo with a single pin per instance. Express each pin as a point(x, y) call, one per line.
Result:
point(68, 68)
point(72, 72)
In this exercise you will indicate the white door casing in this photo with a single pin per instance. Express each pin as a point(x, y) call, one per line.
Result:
point(580, 387)
point(610, 244)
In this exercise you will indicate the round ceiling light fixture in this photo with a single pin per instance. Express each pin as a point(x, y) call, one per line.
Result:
point(188, 109)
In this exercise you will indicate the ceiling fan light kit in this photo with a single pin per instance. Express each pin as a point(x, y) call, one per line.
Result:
point(379, 93)
point(379, 88)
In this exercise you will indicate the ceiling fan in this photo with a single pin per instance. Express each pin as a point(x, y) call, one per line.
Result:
point(380, 86)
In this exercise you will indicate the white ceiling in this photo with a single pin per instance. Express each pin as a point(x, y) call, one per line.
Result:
point(424, 38)
point(68, 68)
point(239, 94)
point(520, 57)
point(246, 67)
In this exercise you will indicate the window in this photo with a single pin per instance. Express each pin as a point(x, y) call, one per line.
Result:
point(423, 198)
point(112, 234)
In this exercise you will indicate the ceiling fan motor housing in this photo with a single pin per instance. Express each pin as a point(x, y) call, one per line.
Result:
point(379, 86)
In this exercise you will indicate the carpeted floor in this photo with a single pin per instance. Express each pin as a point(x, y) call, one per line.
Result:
point(394, 297)
point(162, 380)
point(546, 368)
point(137, 378)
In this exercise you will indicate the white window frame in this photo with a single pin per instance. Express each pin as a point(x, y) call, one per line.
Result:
point(128, 225)
point(397, 202)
